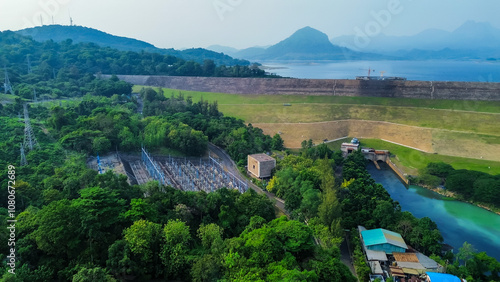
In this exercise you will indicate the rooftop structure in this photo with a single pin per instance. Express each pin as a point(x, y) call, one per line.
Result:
point(383, 240)
point(261, 165)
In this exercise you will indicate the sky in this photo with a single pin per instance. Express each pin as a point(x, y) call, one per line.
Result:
point(245, 23)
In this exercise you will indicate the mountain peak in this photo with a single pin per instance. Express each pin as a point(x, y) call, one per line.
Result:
point(309, 33)
point(471, 27)
point(306, 40)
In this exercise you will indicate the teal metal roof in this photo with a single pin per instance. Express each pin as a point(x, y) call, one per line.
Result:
point(440, 277)
point(382, 236)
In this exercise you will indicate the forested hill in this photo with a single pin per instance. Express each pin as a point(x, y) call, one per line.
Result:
point(71, 65)
point(80, 34)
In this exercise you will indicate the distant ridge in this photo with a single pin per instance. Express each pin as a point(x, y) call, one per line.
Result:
point(472, 40)
point(305, 44)
point(79, 34)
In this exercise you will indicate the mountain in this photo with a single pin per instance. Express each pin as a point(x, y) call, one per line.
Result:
point(478, 40)
point(79, 34)
point(305, 44)
point(223, 49)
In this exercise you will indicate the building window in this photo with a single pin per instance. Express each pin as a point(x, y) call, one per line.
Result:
point(253, 166)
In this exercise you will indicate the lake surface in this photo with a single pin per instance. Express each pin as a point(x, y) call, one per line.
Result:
point(432, 70)
point(457, 221)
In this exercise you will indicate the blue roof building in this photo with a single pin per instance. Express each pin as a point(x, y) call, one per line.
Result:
point(383, 240)
point(441, 277)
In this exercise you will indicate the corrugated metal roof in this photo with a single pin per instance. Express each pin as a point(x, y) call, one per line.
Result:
point(405, 257)
point(375, 267)
point(441, 277)
point(382, 236)
point(396, 271)
point(410, 271)
point(376, 255)
point(412, 265)
point(427, 262)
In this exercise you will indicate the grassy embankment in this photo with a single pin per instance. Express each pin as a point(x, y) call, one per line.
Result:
point(467, 124)
point(411, 160)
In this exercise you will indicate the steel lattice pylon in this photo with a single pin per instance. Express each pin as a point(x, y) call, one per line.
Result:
point(6, 85)
point(23, 157)
point(29, 136)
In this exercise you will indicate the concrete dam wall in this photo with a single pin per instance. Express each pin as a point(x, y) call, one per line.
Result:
point(334, 87)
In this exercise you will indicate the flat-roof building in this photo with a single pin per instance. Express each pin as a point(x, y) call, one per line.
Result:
point(261, 165)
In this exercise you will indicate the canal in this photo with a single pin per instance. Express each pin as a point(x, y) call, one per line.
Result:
point(458, 222)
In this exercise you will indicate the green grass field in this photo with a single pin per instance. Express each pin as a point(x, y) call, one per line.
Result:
point(411, 160)
point(228, 99)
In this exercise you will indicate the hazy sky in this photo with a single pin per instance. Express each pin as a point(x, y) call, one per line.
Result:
point(246, 23)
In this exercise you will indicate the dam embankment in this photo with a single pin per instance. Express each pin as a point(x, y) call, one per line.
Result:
point(446, 90)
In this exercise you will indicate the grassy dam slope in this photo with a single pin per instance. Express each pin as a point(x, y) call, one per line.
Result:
point(465, 133)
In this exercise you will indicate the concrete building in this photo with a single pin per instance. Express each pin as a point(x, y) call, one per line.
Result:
point(383, 240)
point(261, 165)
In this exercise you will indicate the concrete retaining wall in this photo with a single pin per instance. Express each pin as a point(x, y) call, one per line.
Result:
point(334, 87)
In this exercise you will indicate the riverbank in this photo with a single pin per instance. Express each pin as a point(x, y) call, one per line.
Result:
point(458, 221)
point(457, 197)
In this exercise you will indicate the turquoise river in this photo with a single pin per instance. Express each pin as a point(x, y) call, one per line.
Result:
point(457, 221)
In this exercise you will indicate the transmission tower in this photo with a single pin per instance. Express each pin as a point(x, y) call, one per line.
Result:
point(23, 157)
point(29, 136)
point(30, 70)
point(6, 85)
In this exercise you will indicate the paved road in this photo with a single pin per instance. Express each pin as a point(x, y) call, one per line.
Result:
point(229, 164)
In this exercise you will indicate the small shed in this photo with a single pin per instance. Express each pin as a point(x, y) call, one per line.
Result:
point(348, 148)
point(383, 240)
point(261, 165)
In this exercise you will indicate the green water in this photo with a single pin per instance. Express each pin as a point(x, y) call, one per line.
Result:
point(457, 221)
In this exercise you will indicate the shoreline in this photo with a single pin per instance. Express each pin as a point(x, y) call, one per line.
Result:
point(444, 192)
point(452, 195)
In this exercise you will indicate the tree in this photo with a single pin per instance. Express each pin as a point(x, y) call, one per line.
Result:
point(92, 274)
point(206, 268)
point(466, 252)
point(277, 142)
point(176, 237)
point(144, 240)
point(140, 209)
point(59, 225)
point(211, 237)
point(439, 169)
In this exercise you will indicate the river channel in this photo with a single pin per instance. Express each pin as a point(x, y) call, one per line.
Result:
point(457, 221)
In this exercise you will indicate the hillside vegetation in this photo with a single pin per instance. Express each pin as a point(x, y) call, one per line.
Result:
point(80, 34)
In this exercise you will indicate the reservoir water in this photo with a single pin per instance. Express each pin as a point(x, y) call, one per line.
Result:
point(431, 70)
point(457, 221)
